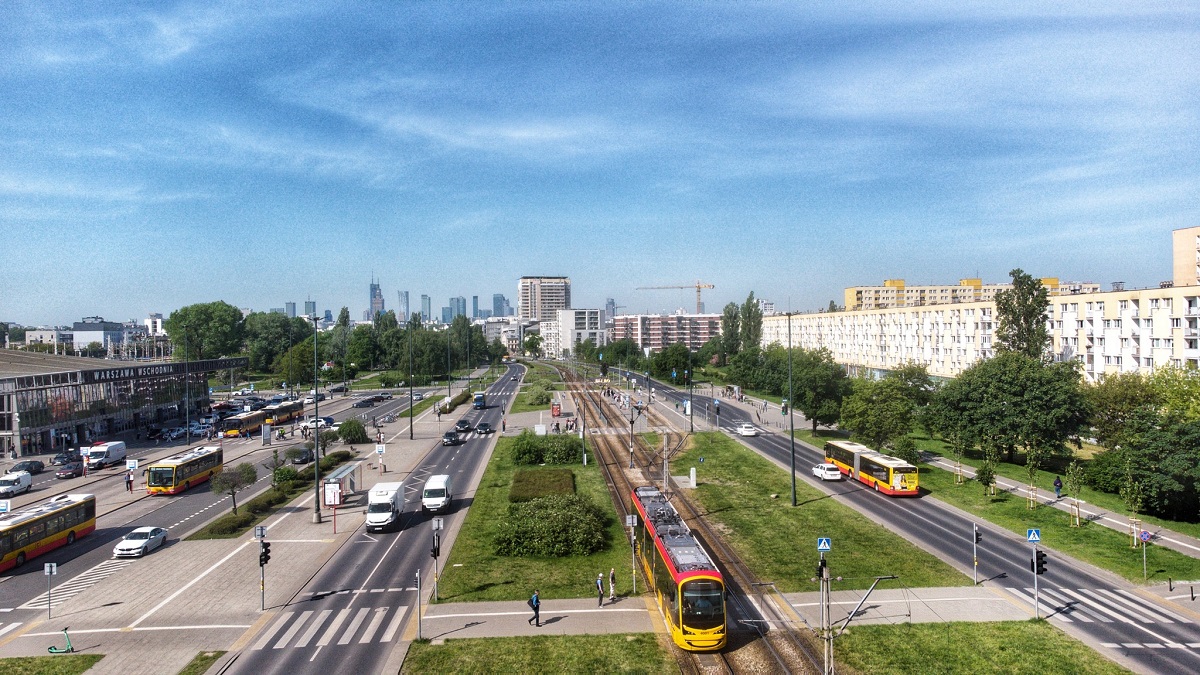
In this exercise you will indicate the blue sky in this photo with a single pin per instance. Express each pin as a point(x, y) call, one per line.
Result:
point(161, 154)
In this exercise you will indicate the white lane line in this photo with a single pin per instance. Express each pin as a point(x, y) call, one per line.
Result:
point(9, 627)
point(380, 615)
point(295, 628)
point(395, 624)
point(188, 585)
point(353, 627)
point(1136, 608)
point(313, 628)
point(1122, 618)
point(327, 636)
point(262, 642)
point(1092, 602)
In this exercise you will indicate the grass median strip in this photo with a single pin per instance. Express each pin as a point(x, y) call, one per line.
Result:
point(201, 663)
point(60, 664)
point(976, 648)
point(735, 488)
point(620, 653)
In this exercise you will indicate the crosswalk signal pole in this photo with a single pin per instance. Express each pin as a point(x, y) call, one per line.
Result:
point(975, 549)
point(418, 604)
point(1036, 573)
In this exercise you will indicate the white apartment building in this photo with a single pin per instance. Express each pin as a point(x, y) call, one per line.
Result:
point(538, 298)
point(1106, 331)
point(571, 327)
point(896, 293)
point(655, 331)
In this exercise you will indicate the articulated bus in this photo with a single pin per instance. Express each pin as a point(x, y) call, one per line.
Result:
point(174, 474)
point(891, 476)
point(40, 528)
point(243, 424)
point(687, 584)
point(281, 413)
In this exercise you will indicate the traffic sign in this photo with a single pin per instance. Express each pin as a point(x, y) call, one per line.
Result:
point(630, 520)
point(131, 464)
point(260, 531)
point(379, 449)
point(437, 523)
point(1144, 536)
point(1033, 535)
point(5, 506)
point(823, 544)
point(51, 569)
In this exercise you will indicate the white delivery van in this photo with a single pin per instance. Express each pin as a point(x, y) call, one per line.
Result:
point(385, 505)
point(105, 454)
point(13, 484)
point(436, 496)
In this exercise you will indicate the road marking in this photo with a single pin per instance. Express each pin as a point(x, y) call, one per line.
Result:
point(327, 636)
point(79, 583)
point(262, 642)
point(312, 630)
point(394, 625)
point(353, 627)
point(380, 615)
point(1147, 611)
point(291, 632)
point(1074, 609)
point(9, 627)
point(188, 585)
point(1046, 611)
point(1160, 610)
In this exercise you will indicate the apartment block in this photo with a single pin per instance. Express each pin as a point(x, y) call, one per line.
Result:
point(895, 293)
point(538, 298)
point(656, 331)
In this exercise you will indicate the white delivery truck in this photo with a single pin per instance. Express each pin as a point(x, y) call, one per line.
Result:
point(436, 496)
point(385, 505)
point(105, 454)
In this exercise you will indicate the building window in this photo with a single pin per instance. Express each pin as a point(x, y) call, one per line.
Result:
point(1176, 323)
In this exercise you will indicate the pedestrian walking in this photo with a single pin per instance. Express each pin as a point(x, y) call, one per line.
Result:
point(129, 481)
point(612, 584)
point(1057, 487)
point(535, 604)
point(600, 589)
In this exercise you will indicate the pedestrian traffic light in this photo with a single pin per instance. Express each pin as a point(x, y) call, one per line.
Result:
point(435, 550)
point(1039, 562)
point(978, 534)
point(820, 568)
point(264, 553)
point(717, 406)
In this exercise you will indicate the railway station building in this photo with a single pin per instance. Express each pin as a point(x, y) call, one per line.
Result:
point(50, 402)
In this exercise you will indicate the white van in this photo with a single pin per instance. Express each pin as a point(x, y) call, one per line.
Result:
point(105, 454)
point(13, 484)
point(436, 496)
point(384, 506)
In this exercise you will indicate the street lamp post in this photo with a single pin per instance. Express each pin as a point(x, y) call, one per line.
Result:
point(187, 398)
point(410, 382)
point(691, 403)
point(317, 429)
point(791, 406)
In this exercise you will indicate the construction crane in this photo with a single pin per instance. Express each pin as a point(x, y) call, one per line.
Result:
point(698, 285)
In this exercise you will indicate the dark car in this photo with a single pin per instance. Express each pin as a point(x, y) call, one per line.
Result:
point(462, 426)
point(33, 466)
point(365, 403)
point(302, 456)
point(337, 388)
point(65, 458)
point(70, 470)
point(449, 438)
point(483, 428)
point(385, 396)
point(155, 433)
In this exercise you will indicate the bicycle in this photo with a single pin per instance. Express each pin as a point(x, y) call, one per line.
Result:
point(67, 650)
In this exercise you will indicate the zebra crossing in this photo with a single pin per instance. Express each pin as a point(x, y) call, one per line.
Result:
point(81, 582)
point(5, 629)
point(362, 625)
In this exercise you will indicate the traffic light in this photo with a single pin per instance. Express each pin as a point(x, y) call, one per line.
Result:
point(821, 568)
point(1039, 562)
point(717, 405)
point(264, 553)
point(978, 534)
point(783, 408)
point(436, 550)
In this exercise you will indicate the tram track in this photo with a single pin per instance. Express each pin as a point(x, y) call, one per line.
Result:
point(761, 635)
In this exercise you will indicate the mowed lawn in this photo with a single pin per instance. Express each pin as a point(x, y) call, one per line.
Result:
point(473, 572)
point(779, 541)
point(619, 653)
point(1001, 648)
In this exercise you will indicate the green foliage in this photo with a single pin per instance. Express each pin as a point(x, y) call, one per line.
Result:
point(612, 653)
point(1075, 478)
point(731, 331)
point(905, 448)
point(533, 345)
point(985, 475)
point(391, 378)
point(554, 526)
point(751, 318)
point(1178, 391)
point(230, 523)
point(212, 330)
point(1115, 399)
point(265, 502)
point(879, 412)
point(285, 474)
point(1021, 317)
point(353, 431)
point(538, 395)
point(232, 480)
point(459, 399)
point(269, 335)
point(529, 449)
point(673, 358)
point(529, 485)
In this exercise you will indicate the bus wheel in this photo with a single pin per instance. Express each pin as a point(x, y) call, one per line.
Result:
point(70, 538)
point(20, 559)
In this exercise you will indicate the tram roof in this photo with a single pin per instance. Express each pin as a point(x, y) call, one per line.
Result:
point(677, 540)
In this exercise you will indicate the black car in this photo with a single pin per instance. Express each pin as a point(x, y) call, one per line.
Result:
point(462, 426)
point(65, 458)
point(337, 388)
point(483, 428)
point(302, 456)
point(449, 438)
point(365, 403)
point(33, 466)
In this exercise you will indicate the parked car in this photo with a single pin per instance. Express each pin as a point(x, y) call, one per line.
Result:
point(462, 426)
point(14, 483)
point(483, 428)
point(33, 466)
point(364, 403)
point(65, 458)
point(827, 472)
point(449, 438)
point(140, 542)
point(747, 430)
point(177, 433)
point(70, 470)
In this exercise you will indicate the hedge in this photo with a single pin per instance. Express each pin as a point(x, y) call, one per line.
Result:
point(554, 526)
point(529, 448)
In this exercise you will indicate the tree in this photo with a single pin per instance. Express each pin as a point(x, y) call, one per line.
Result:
point(212, 330)
point(1075, 476)
point(674, 358)
point(1179, 393)
point(353, 431)
point(1021, 316)
point(819, 385)
point(363, 349)
point(731, 332)
point(751, 318)
point(1116, 399)
point(231, 481)
point(273, 464)
point(833, 307)
point(878, 411)
point(533, 345)
point(16, 333)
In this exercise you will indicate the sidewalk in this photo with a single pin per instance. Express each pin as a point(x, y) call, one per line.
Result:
point(559, 617)
point(913, 605)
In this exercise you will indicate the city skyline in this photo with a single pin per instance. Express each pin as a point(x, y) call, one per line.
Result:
point(160, 156)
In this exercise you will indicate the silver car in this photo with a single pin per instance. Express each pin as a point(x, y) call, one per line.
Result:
point(140, 542)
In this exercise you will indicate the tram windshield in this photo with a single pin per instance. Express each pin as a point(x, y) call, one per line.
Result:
point(703, 604)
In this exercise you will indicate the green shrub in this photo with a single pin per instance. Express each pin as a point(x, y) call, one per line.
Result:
point(264, 502)
point(554, 526)
point(529, 449)
point(230, 523)
point(1106, 472)
point(285, 475)
point(526, 449)
point(538, 395)
point(528, 485)
point(353, 431)
point(391, 378)
point(459, 399)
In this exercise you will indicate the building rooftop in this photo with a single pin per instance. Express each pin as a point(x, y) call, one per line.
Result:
point(19, 363)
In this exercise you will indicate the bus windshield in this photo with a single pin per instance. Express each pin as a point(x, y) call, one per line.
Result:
point(160, 476)
point(703, 604)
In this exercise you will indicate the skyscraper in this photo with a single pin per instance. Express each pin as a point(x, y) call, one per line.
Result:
point(402, 313)
point(540, 297)
point(474, 306)
point(289, 308)
point(426, 308)
point(310, 307)
point(458, 306)
point(376, 303)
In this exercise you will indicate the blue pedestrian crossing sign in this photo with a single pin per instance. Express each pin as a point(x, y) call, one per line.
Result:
point(1033, 535)
point(823, 544)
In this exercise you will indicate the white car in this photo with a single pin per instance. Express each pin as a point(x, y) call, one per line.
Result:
point(747, 430)
point(140, 542)
point(827, 472)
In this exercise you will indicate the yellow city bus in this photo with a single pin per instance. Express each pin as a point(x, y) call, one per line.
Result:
point(886, 474)
point(243, 424)
point(177, 473)
point(39, 528)
point(281, 413)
